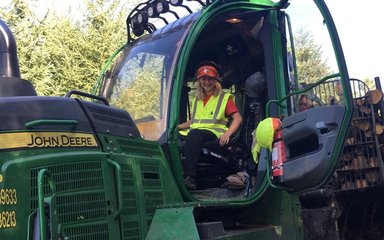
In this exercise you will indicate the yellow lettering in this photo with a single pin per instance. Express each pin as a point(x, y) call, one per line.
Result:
point(13, 219)
point(8, 216)
point(46, 139)
point(2, 219)
point(8, 219)
point(64, 140)
point(14, 196)
point(72, 141)
point(2, 197)
point(8, 196)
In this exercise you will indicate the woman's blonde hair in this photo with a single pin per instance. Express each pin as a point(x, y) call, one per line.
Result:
point(200, 93)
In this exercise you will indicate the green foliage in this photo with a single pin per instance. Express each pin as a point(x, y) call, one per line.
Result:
point(138, 89)
point(369, 83)
point(141, 97)
point(58, 53)
point(310, 61)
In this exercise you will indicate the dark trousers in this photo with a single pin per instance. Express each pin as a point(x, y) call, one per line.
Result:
point(192, 148)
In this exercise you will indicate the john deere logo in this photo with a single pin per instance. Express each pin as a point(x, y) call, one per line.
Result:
point(46, 139)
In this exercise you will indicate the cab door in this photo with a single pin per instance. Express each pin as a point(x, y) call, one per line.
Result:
point(316, 112)
point(313, 142)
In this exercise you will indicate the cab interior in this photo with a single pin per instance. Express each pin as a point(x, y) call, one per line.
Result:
point(240, 50)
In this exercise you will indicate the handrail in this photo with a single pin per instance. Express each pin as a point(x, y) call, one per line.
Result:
point(119, 185)
point(40, 181)
point(279, 102)
point(97, 87)
point(51, 122)
point(88, 95)
point(292, 42)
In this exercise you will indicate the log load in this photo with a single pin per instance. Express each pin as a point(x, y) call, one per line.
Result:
point(360, 162)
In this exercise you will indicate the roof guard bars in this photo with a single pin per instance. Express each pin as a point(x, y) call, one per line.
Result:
point(138, 19)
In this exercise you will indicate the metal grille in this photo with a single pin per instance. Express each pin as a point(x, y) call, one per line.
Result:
point(69, 177)
point(109, 115)
point(86, 232)
point(78, 207)
point(153, 194)
point(131, 230)
point(80, 198)
point(130, 214)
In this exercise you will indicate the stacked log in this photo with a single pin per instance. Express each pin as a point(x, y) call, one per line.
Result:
point(359, 166)
point(375, 97)
point(372, 177)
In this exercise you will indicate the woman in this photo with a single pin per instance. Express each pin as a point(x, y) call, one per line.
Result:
point(211, 112)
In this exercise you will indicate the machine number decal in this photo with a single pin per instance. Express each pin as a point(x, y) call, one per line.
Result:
point(7, 219)
point(8, 197)
point(46, 139)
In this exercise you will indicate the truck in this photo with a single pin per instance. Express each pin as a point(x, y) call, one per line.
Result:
point(108, 164)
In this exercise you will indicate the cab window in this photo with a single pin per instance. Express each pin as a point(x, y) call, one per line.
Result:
point(141, 81)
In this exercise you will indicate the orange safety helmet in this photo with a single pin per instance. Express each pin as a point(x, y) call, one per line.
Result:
point(207, 71)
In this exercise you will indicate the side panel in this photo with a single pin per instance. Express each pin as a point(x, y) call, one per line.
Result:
point(146, 182)
point(82, 205)
point(95, 197)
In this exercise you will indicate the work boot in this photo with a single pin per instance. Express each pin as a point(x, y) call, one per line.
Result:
point(190, 183)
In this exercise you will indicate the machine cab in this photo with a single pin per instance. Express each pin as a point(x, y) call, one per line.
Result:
point(253, 42)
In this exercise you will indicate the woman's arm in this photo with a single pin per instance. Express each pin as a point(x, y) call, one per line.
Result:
point(236, 122)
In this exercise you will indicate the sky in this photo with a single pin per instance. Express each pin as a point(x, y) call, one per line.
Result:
point(362, 35)
point(358, 23)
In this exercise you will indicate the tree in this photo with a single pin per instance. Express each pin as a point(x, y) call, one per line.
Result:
point(58, 53)
point(27, 31)
point(310, 61)
point(369, 83)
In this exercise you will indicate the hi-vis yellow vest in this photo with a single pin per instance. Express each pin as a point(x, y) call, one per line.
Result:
point(211, 116)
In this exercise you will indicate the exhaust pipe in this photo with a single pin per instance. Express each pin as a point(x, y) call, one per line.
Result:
point(11, 83)
point(9, 64)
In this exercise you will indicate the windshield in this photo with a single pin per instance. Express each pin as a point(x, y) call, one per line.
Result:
point(141, 80)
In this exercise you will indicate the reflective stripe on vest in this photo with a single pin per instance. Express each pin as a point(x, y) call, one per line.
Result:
point(211, 116)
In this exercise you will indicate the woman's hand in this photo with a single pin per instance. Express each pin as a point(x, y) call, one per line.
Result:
point(224, 139)
point(237, 120)
point(184, 125)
